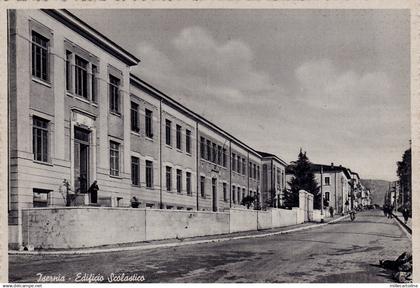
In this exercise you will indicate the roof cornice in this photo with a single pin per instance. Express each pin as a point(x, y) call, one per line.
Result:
point(86, 31)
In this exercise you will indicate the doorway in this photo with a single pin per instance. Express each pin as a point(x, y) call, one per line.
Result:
point(81, 160)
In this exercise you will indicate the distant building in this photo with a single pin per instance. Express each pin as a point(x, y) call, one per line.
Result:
point(335, 185)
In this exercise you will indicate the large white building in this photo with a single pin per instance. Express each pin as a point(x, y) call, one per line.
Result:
point(80, 121)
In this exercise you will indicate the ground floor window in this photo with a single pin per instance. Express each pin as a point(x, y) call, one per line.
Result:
point(149, 174)
point(114, 157)
point(135, 171)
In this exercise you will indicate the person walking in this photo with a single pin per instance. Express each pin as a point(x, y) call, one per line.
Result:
point(405, 214)
point(386, 210)
point(331, 212)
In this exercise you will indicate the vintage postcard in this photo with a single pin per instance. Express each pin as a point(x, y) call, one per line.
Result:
point(210, 142)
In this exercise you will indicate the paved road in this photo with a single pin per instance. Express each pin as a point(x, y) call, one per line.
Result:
point(342, 252)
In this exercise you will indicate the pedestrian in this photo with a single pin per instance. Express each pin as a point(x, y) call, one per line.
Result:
point(331, 209)
point(405, 214)
point(390, 209)
point(385, 210)
point(93, 191)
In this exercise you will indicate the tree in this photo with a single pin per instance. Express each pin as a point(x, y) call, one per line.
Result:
point(303, 179)
point(248, 201)
point(404, 175)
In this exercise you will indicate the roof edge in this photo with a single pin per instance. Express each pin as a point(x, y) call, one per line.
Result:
point(79, 26)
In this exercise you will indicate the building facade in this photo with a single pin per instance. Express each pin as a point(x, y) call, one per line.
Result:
point(83, 130)
point(334, 183)
point(274, 180)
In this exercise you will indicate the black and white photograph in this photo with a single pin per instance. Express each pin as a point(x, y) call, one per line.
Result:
point(204, 145)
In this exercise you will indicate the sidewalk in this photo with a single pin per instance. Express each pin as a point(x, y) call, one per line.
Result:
point(181, 242)
point(400, 216)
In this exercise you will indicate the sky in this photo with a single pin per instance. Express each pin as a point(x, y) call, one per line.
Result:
point(335, 83)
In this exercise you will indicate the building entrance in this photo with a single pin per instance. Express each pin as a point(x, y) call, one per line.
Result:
point(81, 160)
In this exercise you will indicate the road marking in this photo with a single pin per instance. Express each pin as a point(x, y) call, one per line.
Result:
point(169, 245)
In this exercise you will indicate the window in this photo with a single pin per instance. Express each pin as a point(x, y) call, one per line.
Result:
point(40, 197)
point(114, 158)
point(94, 83)
point(243, 166)
point(81, 77)
point(40, 56)
point(168, 178)
point(233, 162)
point(243, 193)
point(178, 180)
point(224, 157)
point(278, 177)
point(250, 170)
point(114, 94)
point(255, 171)
point(208, 143)
point(214, 153)
point(327, 196)
point(134, 117)
point(178, 136)
point(135, 171)
point(40, 139)
point(258, 172)
point(225, 197)
point(238, 164)
point(202, 148)
point(149, 121)
point(327, 181)
point(188, 180)
point(68, 71)
point(168, 128)
point(234, 193)
point(149, 174)
point(239, 195)
point(188, 141)
point(219, 154)
point(203, 186)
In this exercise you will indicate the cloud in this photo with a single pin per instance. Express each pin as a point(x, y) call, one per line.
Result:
point(324, 85)
point(202, 67)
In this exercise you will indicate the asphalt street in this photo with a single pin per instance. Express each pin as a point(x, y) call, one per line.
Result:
point(342, 252)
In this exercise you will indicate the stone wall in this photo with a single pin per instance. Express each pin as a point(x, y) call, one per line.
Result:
point(243, 220)
point(166, 224)
point(283, 217)
point(78, 227)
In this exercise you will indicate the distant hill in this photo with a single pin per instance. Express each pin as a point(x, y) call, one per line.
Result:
point(378, 189)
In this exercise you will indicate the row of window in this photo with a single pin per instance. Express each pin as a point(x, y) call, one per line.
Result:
point(179, 179)
point(178, 136)
point(85, 82)
point(135, 120)
point(212, 152)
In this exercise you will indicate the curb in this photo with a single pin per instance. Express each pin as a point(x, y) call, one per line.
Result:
point(407, 230)
point(169, 245)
